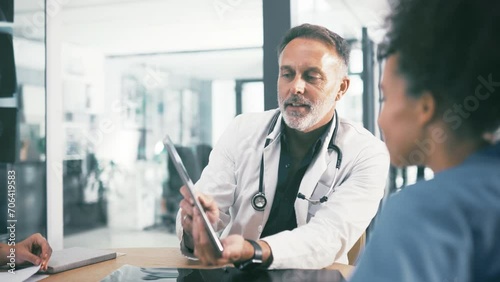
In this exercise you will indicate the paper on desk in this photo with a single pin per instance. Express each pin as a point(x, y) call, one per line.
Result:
point(20, 274)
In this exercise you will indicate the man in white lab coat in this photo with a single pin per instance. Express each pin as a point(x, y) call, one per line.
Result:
point(294, 187)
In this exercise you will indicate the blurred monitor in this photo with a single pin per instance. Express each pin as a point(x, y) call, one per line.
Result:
point(8, 135)
point(7, 11)
point(8, 82)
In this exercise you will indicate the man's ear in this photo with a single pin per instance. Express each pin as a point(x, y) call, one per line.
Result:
point(426, 108)
point(344, 85)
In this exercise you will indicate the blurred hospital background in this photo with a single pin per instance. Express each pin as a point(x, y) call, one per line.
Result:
point(107, 79)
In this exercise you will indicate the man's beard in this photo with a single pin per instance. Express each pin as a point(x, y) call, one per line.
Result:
point(314, 111)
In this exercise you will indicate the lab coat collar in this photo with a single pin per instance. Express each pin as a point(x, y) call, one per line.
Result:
point(276, 132)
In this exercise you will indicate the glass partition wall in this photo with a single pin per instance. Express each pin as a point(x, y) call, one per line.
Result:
point(23, 120)
point(131, 73)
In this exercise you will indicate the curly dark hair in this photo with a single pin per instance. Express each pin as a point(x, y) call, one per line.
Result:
point(452, 50)
point(320, 33)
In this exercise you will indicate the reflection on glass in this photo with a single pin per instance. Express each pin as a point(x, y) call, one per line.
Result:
point(28, 33)
point(252, 97)
point(351, 105)
point(134, 273)
point(32, 123)
point(149, 69)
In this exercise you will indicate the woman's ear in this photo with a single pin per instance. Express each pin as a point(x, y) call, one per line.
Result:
point(426, 108)
point(344, 85)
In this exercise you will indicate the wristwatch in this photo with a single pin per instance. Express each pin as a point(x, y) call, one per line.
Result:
point(255, 261)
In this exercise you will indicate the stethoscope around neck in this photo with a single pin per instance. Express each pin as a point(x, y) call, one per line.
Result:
point(259, 200)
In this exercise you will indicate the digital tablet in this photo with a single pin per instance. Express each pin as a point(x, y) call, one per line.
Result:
point(176, 159)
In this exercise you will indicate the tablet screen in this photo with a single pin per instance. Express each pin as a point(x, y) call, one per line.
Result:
point(181, 169)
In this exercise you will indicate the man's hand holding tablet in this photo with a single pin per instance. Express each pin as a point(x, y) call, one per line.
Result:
point(198, 216)
point(196, 236)
point(192, 207)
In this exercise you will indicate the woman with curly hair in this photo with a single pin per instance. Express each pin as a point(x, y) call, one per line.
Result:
point(441, 87)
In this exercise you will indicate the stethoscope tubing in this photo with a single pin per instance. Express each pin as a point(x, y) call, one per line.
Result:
point(260, 195)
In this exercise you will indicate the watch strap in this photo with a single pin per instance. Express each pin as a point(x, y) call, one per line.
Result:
point(257, 251)
point(255, 261)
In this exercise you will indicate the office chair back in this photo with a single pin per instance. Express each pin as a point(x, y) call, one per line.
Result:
point(356, 249)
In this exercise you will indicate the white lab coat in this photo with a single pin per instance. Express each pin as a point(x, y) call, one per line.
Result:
point(326, 232)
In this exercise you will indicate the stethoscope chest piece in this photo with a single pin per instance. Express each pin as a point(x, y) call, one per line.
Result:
point(259, 201)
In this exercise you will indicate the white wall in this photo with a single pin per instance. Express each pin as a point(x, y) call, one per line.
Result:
point(54, 133)
point(223, 106)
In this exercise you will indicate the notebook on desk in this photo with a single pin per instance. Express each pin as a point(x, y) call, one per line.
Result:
point(76, 257)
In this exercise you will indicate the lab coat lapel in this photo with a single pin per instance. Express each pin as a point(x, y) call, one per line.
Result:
point(271, 164)
point(312, 177)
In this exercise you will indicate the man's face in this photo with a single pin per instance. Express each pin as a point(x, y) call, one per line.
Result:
point(398, 117)
point(311, 79)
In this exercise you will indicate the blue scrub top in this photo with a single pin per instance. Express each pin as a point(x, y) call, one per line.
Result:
point(444, 230)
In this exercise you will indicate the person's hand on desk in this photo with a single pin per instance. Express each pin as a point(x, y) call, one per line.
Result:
point(34, 249)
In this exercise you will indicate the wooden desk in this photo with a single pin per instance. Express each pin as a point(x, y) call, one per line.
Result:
point(144, 257)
